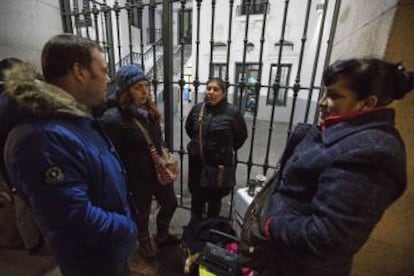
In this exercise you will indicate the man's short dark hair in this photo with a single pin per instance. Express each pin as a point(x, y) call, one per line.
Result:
point(62, 51)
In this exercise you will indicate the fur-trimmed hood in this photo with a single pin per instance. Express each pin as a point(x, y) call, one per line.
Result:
point(24, 98)
point(39, 97)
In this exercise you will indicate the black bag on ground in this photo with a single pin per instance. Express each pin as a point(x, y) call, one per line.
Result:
point(197, 233)
point(206, 239)
point(219, 261)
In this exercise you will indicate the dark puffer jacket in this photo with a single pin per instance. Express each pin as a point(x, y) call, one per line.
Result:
point(131, 144)
point(224, 131)
point(69, 174)
point(333, 190)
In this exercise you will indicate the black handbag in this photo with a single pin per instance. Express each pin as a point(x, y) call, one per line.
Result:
point(217, 176)
point(219, 261)
point(214, 176)
point(255, 250)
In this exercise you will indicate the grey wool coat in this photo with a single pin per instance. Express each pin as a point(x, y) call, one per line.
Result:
point(332, 191)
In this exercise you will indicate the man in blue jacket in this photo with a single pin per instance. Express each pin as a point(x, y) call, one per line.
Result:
point(62, 163)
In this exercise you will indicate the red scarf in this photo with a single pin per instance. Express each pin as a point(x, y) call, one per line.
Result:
point(334, 119)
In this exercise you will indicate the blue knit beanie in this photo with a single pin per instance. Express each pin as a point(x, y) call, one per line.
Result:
point(128, 75)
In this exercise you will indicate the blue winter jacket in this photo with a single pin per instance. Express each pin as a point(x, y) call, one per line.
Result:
point(332, 191)
point(68, 172)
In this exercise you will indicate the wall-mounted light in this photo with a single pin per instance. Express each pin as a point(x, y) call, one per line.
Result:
point(249, 46)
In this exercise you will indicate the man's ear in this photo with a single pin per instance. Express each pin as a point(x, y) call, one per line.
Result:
point(79, 72)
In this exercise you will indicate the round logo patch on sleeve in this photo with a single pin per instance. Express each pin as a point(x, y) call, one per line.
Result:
point(54, 175)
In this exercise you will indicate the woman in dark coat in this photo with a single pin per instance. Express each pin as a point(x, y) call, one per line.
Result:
point(342, 176)
point(223, 132)
point(134, 104)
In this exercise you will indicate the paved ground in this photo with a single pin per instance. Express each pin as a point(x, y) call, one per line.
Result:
point(170, 259)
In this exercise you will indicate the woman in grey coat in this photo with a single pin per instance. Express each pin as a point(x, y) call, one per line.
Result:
point(342, 176)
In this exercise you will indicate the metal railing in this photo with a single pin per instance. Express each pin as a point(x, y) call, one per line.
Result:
point(147, 57)
point(123, 45)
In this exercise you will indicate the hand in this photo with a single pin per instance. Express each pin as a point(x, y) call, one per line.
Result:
point(5, 199)
point(255, 249)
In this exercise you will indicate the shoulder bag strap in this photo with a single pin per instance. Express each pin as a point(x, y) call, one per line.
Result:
point(144, 131)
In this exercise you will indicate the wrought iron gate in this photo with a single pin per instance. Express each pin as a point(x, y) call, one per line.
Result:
point(289, 41)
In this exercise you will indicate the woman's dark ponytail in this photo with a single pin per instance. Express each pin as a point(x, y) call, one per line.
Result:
point(405, 82)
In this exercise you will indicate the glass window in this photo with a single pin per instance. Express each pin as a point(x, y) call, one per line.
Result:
point(219, 70)
point(281, 94)
point(256, 7)
point(251, 71)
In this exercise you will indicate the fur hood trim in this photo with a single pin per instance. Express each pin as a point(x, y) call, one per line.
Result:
point(38, 96)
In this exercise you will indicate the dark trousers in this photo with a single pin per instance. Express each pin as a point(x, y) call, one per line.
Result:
point(203, 198)
point(165, 196)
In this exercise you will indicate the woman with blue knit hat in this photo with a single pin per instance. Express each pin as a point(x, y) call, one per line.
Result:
point(129, 124)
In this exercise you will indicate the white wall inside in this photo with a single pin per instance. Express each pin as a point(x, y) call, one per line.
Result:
point(24, 28)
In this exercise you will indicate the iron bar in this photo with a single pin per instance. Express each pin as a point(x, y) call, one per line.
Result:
point(103, 34)
point(213, 12)
point(229, 44)
point(154, 70)
point(315, 64)
point(196, 82)
point(66, 16)
point(86, 16)
point(257, 94)
point(129, 13)
point(256, 164)
point(329, 49)
point(76, 14)
point(95, 12)
point(118, 32)
point(141, 31)
point(168, 70)
point(151, 21)
point(297, 87)
point(109, 40)
point(276, 85)
point(241, 82)
point(182, 83)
